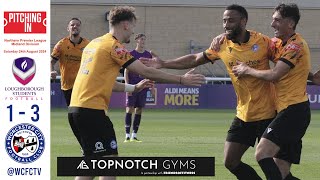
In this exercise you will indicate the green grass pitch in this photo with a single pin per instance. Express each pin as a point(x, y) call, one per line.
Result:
point(191, 133)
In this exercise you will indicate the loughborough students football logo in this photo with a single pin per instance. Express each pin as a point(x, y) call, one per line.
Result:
point(24, 69)
point(24, 143)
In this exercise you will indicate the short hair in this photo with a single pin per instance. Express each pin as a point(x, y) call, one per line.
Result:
point(74, 18)
point(139, 35)
point(290, 10)
point(121, 13)
point(243, 12)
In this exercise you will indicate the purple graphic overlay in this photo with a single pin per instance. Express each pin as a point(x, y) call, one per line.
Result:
point(24, 69)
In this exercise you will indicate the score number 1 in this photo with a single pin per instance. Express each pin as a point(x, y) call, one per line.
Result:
point(35, 116)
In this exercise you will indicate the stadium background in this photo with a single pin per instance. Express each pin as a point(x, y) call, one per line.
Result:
point(170, 25)
point(175, 28)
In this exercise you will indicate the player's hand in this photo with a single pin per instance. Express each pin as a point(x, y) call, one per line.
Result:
point(54, 74)
point(145, 83)
point(217, 41)
point(240, 69)
point(155, 62)
point(316, 78)
point(191, 79)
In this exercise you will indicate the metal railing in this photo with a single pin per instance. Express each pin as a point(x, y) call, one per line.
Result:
point(208, 79)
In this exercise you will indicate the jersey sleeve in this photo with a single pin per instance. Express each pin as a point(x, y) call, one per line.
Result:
point(56, 52)
point(121, 55)
point(292, 52)
point(271, 48)
point(211, 55)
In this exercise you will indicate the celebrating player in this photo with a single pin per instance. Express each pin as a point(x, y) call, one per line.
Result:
point(100, 65)
point(68, 52)
point(254, 112)
point(283, 137)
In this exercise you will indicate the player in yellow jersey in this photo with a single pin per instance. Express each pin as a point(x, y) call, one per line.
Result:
point(68, 52)
point(283, 137)
point(254, 112)
point(100, 64)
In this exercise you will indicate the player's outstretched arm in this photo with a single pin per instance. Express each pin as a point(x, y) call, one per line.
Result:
point(145, 83)
point(118, 87)
point(184, 62)
point(160, 76)
point(274, 74)
point(123, 87)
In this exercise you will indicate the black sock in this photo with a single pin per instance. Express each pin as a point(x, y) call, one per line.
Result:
point(136, 122)
point(290, 177)
point(270, 169)
point(245, 172)
point(128, 122)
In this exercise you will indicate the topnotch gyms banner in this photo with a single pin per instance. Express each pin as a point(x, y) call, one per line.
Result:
point(25, 89)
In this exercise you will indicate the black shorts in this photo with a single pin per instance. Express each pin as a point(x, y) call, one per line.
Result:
point(246, 132)
point(67, 95)
point(287, 130)
point(94, 131)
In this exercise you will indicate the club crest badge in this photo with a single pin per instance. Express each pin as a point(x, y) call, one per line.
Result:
point(25, 143)
point(24, 69)
point(255, 48)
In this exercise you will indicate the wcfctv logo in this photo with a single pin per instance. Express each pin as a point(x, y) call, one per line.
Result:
point(25, 22)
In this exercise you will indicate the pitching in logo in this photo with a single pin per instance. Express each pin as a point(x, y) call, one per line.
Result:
point(22, 22)
point(24, 69)
point(25, 143)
